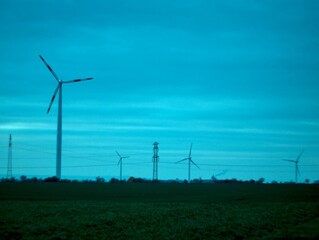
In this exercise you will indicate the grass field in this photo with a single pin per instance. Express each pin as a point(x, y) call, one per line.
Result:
point(158, 211)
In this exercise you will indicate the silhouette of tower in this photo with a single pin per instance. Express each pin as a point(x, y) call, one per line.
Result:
point(155, 161)
point(9, 172)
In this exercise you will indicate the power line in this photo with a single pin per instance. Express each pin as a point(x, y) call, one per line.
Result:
point(143, 163)
point(75, 166)
point(31, 150)
point(103, 158)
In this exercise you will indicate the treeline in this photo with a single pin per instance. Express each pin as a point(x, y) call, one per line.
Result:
point(97, 180)
point(213, 180)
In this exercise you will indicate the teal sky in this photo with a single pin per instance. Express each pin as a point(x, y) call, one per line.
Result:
point(238, 79)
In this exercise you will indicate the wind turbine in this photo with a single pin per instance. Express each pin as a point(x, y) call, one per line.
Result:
point(296, 162)
point(59, 127)
point(120, 163)
point(189, 158)
point(219, 174)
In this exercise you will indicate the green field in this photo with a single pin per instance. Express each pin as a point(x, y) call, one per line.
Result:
point(158, 211)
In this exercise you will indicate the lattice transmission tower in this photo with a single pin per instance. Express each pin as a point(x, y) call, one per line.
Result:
point(155, 161)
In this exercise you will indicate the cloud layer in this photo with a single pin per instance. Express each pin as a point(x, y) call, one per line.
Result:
point(239, 80)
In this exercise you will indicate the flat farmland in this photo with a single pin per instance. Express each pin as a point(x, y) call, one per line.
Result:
point(158, 211)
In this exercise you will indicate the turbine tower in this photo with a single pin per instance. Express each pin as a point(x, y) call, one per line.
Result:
point(189, 158)
point(155, 161)
point(296, 162)
point(9, 170)
point(120, 163)
point(59, 127)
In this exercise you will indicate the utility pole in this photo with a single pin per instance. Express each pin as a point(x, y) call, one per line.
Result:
point(155, 161)
point(9, 171)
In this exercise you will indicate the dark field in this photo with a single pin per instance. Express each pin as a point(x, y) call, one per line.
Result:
point(158, 211)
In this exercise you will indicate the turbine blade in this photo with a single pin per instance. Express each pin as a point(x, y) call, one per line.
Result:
point(182, 160)
point(118, 154)
point(50, 69)
point(299, 156)
point(288, 160)
point(298, 171)
point(126, 157)
point(119, 161)
point(194, 164)
point(190, 150)
point(53, 97)
point(78, 80)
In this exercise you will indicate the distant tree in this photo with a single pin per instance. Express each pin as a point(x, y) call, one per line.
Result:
point(131, 179)
point(139, 180)
point(114, 180)
point(87, 181)
point(233, 180)
point(316, 182)
point(23, 178)
point(100, 180)
point(274, 182)
point(260, 180)
point(291, 182)
point(65, 180)
point(252, 181)
point(307, 181)
point(199, 180)
point(34, 179)
point(12, 179)
point(51, 179)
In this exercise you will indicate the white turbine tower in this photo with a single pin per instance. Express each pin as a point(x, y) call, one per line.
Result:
point(120, 163)
point(296, 162)
point(189, 158)
point(59, 127)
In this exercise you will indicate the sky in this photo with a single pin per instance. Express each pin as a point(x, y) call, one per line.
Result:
point(237, 79)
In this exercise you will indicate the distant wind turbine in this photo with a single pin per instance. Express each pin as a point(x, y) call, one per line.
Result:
point(219, 174)
point(296, 163)
point(59, 127)
point(189, 158)
point(120, 163)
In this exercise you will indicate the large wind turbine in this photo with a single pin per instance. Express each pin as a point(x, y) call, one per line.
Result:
point(120, 163)
point(59, 127)
point(296, 162)
point(189, 158)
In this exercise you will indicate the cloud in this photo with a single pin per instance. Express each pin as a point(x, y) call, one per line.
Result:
point(16, 126)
